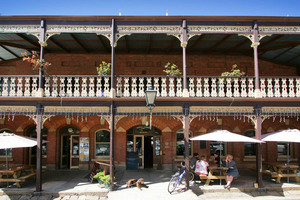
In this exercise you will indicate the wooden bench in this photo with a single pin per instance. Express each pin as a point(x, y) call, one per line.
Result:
point(213, 177)
point(17, 180)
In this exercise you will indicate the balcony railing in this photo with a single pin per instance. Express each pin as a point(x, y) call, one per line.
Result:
point(135, 86)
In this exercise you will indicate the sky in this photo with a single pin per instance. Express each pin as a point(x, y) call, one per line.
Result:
point(152, 7)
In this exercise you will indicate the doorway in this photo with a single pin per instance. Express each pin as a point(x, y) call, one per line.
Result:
point(143, 141)
point(69, 153)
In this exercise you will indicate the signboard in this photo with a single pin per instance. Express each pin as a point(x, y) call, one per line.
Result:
point(84, 149)
point(93, 172)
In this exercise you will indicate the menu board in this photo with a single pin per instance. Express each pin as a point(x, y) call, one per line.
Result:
point(84, 149)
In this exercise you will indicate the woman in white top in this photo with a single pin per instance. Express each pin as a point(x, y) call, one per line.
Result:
point(201, 166)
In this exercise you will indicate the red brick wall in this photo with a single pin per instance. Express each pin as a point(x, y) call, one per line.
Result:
point(128, 64)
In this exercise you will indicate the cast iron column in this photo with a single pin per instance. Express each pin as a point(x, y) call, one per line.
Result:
point(41, 69)
point(255, 44)
point(112, 133)
point(259, 146)
point(112, 82)
point(186, 112)
point(39, 112)
point(183, 45)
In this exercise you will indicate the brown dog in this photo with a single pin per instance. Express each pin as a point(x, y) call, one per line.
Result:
point(139, 183)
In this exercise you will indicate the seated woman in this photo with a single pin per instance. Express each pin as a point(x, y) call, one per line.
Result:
point(201, 166)
point(232, 171)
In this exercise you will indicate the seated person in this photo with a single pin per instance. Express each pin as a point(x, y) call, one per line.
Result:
point(194, 159)
point(201, 166)
point(217, 158)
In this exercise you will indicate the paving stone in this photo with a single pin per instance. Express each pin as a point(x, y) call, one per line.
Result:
point(25, 197)
point(45, 197)
point(14, 197)
point(56, 198)
point(67, 197)
point(74, 197)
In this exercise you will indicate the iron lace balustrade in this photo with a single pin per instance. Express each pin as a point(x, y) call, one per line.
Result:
point(90, 86)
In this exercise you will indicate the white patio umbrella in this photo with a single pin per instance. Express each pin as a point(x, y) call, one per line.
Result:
point(286, 136)
point(224, 136)
point(11, 140)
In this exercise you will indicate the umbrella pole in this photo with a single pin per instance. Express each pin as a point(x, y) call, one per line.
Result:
point(221, 147)
point(6, 155)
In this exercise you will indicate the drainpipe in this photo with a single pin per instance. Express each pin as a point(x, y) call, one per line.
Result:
point(183, 45)
point(113, 45)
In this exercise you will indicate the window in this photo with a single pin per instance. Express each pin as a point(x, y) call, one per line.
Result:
point(102, 143)
point(180, 143)
point(250, 149)
point(282, 149)
point(2, 151)
point(217, 147)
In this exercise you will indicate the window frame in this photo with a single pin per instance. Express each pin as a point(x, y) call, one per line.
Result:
point(190, 145)
point(107, 143)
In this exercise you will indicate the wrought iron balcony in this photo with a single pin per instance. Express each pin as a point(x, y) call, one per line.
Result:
point(135, 86)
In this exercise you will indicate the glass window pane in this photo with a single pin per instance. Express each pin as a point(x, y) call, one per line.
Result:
point(282, 149)
point(102, 149)
point(217, 147)
point(180, 143)
point(250, 149)
point(129, 143)
point(103, 136)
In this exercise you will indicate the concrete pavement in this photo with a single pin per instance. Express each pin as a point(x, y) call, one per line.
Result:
point(73, 185)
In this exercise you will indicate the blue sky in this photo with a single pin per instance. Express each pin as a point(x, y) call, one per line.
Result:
point(151, 7)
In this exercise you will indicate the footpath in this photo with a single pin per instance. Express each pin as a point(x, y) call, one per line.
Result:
point(73, 185)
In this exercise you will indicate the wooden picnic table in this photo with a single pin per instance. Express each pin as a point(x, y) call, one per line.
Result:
point(215, 172)
point(17, 174)
point(279, 170)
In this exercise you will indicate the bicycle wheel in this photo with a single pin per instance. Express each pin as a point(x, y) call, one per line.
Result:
point(191, 178)
point(173, 184)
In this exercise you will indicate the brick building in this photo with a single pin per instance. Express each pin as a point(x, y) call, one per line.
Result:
point(74, 108)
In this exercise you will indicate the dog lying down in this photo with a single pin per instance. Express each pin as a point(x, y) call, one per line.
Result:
point(139, 183)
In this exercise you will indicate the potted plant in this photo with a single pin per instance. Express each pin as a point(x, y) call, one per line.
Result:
point(234, 72)
point(98, 177)
point(104, 68)
point(172, 69)
point(35, 61)
point(105, 179)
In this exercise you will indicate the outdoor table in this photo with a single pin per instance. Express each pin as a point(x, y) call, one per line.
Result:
point(283, 170)
point(215, 172)
point(17, 174)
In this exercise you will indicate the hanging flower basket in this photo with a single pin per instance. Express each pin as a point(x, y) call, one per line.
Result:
point(172, 69)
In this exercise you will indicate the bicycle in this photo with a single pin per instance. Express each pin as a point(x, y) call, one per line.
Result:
point(179, 178)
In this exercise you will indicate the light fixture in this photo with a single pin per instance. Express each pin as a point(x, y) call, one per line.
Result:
point(150, 96)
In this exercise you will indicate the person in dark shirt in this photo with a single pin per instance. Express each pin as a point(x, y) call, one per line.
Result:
point(217, 158)
point(194, 160)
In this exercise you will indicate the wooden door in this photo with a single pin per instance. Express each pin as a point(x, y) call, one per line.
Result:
point(138, 146)
point(74, 152)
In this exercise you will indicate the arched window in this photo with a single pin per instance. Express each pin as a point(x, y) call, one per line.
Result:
point(250, 149)
point(102, 143)
point(180, 143)
point(2, 151)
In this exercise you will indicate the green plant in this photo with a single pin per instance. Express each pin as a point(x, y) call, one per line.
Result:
point(172, 69)
point(104, 68)
point(35, 61)
point(99, 175)
point(234, 72)
point(105, 179)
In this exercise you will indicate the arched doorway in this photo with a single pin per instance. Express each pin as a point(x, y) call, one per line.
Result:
point(69, 149)
point(147, 143)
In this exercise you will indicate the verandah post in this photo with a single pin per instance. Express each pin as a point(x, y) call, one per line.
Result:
point(112, 132)
point(183, 45)
point(113, 44)
point(258, 126)
point(39, 124)
point(186, 128)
